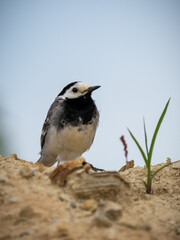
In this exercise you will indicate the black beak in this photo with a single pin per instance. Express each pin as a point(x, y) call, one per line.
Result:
point(91, 89)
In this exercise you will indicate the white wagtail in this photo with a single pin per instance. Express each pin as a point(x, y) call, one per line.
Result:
point(70, 125)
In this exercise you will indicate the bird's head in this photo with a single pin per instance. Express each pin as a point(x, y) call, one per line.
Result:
point(76, 90)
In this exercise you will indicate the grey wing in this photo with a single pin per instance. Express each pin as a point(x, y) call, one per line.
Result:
point(47, 123)
point(45, 130)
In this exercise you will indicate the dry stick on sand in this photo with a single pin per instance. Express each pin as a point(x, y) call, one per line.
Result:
point(125, 147)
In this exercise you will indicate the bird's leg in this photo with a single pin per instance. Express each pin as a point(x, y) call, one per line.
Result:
point(97, 169)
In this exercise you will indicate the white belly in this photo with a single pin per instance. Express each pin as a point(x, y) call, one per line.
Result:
point(69, 143)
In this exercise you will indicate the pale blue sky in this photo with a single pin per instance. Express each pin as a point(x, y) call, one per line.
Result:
point(131, 48)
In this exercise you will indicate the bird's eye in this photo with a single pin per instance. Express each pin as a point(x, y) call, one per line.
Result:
point(75, 90)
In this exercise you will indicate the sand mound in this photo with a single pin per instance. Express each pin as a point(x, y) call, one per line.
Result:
point(75, 202)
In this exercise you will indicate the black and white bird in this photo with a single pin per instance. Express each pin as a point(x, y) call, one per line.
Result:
point(70, 126)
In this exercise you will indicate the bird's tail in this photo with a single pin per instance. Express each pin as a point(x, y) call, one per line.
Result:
point(47, 161)
point(39, 161)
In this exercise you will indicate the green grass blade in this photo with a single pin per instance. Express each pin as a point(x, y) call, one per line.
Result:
point(154, 174)
point(156, 131)
point(145, 184)
point(145, 133)
point(140, 149)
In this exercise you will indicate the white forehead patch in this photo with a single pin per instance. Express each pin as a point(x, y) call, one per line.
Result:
point(81, 90)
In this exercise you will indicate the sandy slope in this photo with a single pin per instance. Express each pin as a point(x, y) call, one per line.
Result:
point(86, 204)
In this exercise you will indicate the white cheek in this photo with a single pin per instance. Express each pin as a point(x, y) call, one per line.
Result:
point(72, 95)
point(69, 95)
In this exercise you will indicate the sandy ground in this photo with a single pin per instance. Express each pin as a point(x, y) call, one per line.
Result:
point(79, 203)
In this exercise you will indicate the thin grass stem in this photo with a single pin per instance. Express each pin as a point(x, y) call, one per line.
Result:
point(149, 152)
point(140, 149)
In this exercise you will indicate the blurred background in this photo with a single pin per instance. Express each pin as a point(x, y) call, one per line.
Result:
point(129, 47)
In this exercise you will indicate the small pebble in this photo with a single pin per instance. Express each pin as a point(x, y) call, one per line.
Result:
point(14, 200)
point(172, 222)
point(73, 204)
point(89, 205)
point(64, 197)
point(63, 232)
